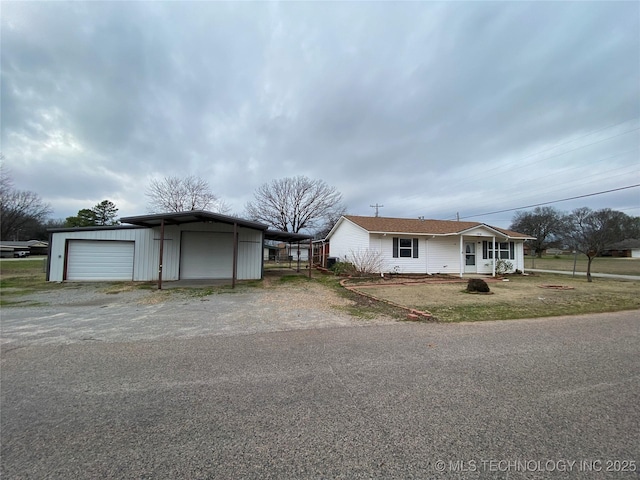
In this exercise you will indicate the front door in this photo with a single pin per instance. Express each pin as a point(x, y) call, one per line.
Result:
point(470, 257)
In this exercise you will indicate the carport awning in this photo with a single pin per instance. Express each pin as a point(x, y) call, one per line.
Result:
point(192, 216)
point(288, 237)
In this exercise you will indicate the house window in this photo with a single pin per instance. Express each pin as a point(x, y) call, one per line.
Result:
point(504, 250)
point(405, 247)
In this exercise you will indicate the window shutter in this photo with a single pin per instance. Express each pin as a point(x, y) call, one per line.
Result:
point(415, 248)
point(512, 253)
point(395, 247)
point(485, 249)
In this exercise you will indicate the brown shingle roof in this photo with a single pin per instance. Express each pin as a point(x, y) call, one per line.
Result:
point(415, 225)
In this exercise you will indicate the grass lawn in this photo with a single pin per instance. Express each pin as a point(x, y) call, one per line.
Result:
point(520, 297)
point(21, 276)
point(620, 266)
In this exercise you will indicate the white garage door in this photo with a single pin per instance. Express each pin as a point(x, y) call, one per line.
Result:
point(206, 255)
point(100, 260)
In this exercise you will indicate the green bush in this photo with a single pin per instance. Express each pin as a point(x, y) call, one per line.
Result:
point(343, 268)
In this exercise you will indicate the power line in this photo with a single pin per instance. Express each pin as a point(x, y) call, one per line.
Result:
point(554, 201)
point(519, 165)
point(376, 206)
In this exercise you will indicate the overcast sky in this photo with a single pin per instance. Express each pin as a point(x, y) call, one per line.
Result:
point(430, 109)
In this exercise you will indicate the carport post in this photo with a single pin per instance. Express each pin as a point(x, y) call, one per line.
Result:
point(235, 255)
point(161, 253)
point(310, 255)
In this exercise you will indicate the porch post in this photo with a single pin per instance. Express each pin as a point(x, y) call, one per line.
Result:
point(462, 256)
point(235, 255)
point(494, 257)
point(161, 254)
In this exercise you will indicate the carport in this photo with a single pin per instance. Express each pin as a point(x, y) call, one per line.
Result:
point(291, 239)
point(165, 219)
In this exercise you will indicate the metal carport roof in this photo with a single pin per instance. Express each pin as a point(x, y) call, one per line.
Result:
point(192, 216)
point(196, 216)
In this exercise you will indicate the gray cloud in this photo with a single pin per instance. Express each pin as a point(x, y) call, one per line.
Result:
point(427, 108)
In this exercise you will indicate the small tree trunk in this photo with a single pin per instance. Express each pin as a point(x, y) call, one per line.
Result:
point(590, 259)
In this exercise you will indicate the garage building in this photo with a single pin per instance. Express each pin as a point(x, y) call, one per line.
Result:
point(194, 245)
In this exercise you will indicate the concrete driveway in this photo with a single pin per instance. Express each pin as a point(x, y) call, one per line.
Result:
point(544, 398)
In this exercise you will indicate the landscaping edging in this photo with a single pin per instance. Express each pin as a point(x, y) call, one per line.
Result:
point(413, 314)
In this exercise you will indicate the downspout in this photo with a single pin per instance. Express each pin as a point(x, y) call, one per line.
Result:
point(161, 254)
point(426, 254)
point(493, 273)
point(235, 255)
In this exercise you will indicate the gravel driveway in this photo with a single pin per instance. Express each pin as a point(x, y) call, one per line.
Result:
point(102, 312)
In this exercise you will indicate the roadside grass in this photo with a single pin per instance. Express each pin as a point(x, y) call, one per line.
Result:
point(21, 277)
point(520, 297)
point(618, 266)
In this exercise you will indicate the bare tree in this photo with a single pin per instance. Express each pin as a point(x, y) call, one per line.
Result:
point(590, 232)
point(18, 208)
point(545, 224)
point(176, 194)
point(295, 203)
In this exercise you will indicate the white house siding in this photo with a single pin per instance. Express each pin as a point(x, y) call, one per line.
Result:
point(443, 255)
point(435, 255)
point(347, 238)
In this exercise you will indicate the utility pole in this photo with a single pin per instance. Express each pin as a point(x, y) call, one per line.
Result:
point(376, 206)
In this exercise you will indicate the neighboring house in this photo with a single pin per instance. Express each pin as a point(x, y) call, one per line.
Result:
point(194, 245)
point(293, 252)
point(30, 247)
point(625, 248)
point(427, 246)
point(270, 252)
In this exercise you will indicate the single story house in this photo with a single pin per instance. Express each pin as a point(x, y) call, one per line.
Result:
point(626, 248)
point(427, 246)
point(167, 246)
point(30, 247)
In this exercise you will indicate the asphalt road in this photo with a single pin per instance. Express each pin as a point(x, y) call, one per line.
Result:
point(545, 398)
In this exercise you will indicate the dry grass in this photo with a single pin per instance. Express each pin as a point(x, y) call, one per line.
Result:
point(520, 297)
point(619, 266)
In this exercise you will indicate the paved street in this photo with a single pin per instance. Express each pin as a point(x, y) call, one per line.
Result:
point(511, 399)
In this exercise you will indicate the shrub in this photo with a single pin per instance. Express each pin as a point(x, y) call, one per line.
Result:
point(503, 266)
point(477, 285)
point(366, 262)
